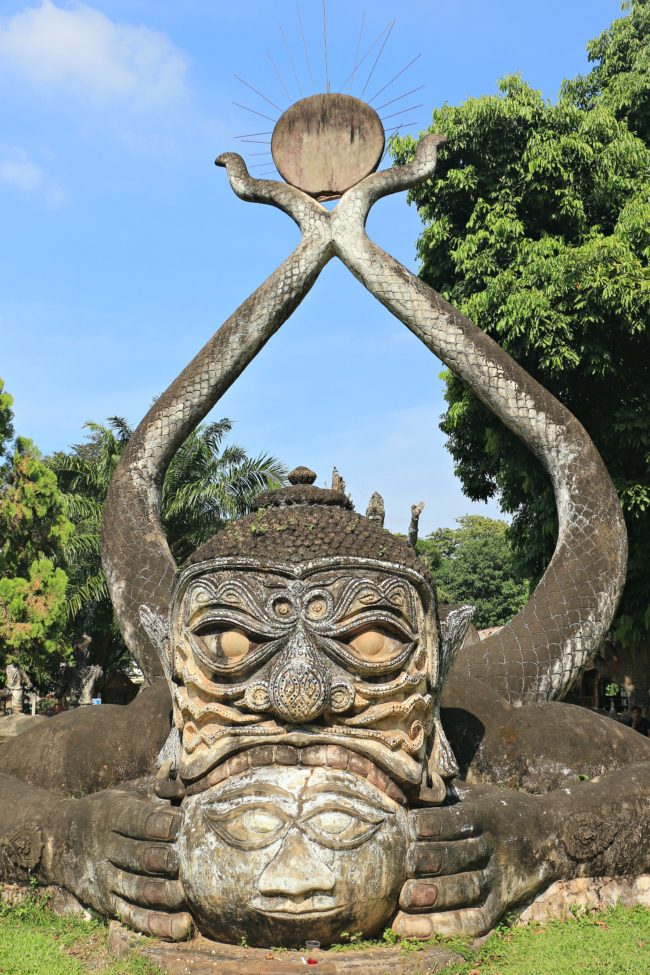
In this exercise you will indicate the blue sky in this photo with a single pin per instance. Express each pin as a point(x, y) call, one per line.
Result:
point(123, 248)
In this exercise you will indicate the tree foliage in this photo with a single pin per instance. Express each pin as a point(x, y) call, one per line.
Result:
point(474, 564)
point(33, 532)
point(6, 417)
point(207, 484)
point(537, 226)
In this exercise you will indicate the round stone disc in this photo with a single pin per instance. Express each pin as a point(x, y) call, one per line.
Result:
point(325, 144)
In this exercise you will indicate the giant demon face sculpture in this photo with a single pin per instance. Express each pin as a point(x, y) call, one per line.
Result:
point(307, 624)
point(306, 663)
point(304, 636)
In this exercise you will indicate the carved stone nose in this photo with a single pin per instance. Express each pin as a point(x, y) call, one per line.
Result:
point(295, 871)
point(299, 684)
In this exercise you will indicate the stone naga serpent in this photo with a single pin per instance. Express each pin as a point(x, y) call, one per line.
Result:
point(537, 656)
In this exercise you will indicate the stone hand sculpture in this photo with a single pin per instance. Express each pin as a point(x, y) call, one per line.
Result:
point(327, 747)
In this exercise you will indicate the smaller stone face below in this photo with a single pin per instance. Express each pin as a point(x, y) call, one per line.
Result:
point(590, 893)
point(202, 957)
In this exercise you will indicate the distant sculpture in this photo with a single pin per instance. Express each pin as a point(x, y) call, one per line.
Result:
point(80, 680)
point(318, 772)
point(376, 510)
point(416, 511)
point(17, 682)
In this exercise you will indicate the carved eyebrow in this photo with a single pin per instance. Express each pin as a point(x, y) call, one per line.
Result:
point(255, 792)
point(354, 590)
point(316, 792)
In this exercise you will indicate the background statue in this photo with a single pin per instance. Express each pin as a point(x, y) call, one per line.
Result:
point(17, 682)
point(81, 679)
point(320, 768)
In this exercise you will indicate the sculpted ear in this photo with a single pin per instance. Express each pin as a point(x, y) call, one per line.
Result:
point(442, 760)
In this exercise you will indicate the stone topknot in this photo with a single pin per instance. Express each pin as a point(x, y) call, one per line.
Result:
point(302, 522)
point(302, 491)
point(301, 475)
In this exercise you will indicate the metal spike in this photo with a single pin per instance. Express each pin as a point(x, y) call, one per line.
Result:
point(293, 67)
point(252, 88)
point(369, 51)
point(399, 98)
point(356, 53)
point(411, 108)
point(261, 114)
point(280, 78)
point(305, 48)
point(399, 73)
point(381, 51)
point(327, 74)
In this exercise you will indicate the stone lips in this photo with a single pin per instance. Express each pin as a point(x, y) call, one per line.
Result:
point(325, 144)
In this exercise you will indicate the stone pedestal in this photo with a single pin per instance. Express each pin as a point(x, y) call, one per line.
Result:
point(202, 957)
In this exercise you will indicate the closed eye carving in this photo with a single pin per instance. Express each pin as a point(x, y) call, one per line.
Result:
point(340, 828)
point(250, 828)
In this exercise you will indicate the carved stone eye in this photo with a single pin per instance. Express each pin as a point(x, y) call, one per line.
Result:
point(375, 643)
point(229, 645)
point(250, 828)
point(259, 821)
point(332, 822)
point(316, 608)
point(340, 829)
point(282, 608)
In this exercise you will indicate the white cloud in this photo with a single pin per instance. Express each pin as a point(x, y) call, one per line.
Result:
point(81, 50)
point(19, 171)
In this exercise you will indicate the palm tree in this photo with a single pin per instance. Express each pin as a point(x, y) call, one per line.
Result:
point(207, 485)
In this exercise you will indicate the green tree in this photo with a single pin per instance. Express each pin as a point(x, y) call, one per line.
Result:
point(474, 564)
point(207, 484)
point(6, 417)
point(33, 533)
point(537, 226)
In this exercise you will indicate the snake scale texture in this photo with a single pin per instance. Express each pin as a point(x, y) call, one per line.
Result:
point(537, 656)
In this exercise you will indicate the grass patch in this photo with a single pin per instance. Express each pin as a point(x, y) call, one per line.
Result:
point(34, 941)
point(616, 942)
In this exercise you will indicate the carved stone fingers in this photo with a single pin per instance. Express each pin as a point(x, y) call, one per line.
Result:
point(470, 922)
point(169, 927)
point(137, 856)
point(430, 859)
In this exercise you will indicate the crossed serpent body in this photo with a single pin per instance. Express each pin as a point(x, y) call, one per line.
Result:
point(498, 848)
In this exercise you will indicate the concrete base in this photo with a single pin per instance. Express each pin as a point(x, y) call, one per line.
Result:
point(202, 957)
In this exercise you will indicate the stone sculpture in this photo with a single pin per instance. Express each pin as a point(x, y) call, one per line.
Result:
point(80, 679)
point(335, 757)
point(18, 681)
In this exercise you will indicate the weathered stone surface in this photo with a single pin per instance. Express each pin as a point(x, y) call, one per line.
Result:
point(288, 855)
point(562, 898)
point(12, 725)
point(93, 748)
point(540, 747)
point(325, 144)
point(203, 957)
point(306, 632)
